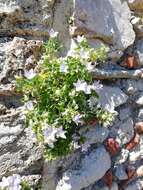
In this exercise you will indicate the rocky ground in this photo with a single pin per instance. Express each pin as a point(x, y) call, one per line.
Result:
point(115, 160)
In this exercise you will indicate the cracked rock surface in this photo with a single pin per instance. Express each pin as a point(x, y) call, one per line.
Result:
point(24, 27)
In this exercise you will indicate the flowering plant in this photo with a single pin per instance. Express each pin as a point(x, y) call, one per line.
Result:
point(14, 182)
point(62, 96)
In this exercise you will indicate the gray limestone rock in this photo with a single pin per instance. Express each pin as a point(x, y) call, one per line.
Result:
point(139, 100)
point(18, 150)
point(111, 97)
point(136, 185)
point(125, 131)
point(26, 18)
point(93, 167)
point(125, 113)
point(120, 173)
point(19, 54)
point(112, 22)
point(132, 86)
point(95, 134)
point(140, 114)
point(139, 51)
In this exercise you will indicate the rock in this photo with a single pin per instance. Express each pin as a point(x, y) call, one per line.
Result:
point(139, 51)
point(108, 178)
point(2, 109)
point(136, 5)
point(111, 97)
point(130, 62)
point(63, 11)
point(140, 115)
point(139, 127)
point(112, 146)
point(125, 113)
point(93, 167)
point(18, 52)
point(26, 18)
point(114, 186)
point(132, 86)
point(139, 100)
point(139, 171)
point(95, 134)
point(120, 172)
point(110, 26)
point(18, 151)
point(124, 154)
point(137, 152)
point(136, 185)
point(131, 171)
point(134, 142)
point(138, 26)
point(134, 156)
point(125, 131)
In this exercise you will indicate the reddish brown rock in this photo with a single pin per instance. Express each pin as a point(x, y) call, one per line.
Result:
point(130, 62)
point(139, 128)
point(134, 142)
point(108, 178)
point(112, 146)
point(131, 172)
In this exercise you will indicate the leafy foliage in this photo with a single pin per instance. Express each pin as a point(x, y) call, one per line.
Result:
point(58, 96)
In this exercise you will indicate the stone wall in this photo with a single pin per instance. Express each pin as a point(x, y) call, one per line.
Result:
point(115, 160)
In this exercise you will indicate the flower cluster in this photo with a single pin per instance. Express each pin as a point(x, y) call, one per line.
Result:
point(51, 135)
point(11, 182)
point(62, 96)
point(14, 182)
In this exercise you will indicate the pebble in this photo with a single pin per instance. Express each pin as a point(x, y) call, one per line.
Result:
point(112, 146)
point(140, 171)
point(139, 100)
point(140, 115)
point(134, 142)
point(139, 128)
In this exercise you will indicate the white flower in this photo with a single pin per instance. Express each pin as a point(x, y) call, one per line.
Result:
point(97, 86)
point(72, 53)
point(53, 34)
point(77, 119)
point(52, 133)
point(29, 74)
point(11, 182)
point(60, 133)
point(4, 183)
point(75, 145)
point(85, 146)
point(64, 68)
point(90, 66)
point(29, 105)
point(82, 86)
point(50, 136)
point(80, 39)
point(84, 54)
